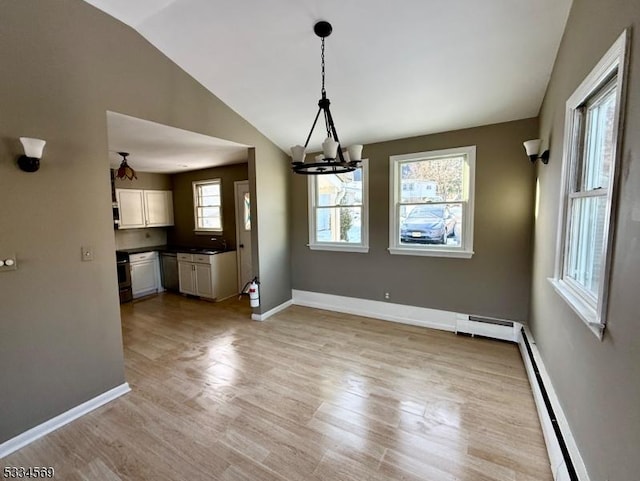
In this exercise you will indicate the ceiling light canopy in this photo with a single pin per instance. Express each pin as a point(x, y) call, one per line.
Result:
point(332, 160)
point(124, 171)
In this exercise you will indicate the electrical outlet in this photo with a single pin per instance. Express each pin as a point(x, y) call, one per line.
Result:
point(386, 296)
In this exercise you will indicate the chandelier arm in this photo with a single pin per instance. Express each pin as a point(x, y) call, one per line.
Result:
point(333, 131)
point(315, 121)
point(327, 123)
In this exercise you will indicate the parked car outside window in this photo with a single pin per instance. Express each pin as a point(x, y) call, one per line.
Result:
point(428, 224)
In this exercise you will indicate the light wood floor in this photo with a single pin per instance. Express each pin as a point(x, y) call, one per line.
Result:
point(307, 395)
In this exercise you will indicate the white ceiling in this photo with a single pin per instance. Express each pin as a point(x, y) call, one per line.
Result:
point(159, 148)
point(394, 68)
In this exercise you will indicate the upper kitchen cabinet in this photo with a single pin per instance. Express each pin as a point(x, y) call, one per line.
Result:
point(159, 207)
point(144, 208)
point(131, 208)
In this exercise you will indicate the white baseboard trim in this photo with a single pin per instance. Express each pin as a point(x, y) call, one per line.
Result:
point(415, 316)
point(72, 414)
point(266, 315)
point(558, 465)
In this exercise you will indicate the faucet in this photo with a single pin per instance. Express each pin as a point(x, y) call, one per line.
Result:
point(221, 241)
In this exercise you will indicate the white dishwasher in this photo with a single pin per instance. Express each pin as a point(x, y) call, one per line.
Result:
point(145, 273)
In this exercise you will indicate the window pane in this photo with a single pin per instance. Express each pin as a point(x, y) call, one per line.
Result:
point(209, 200)
point(210, 189)
point(208, 211)
point(432, 223)
point(339, 224)
point(247, 211)
point(432, 180)
point(586, 240)
point(209, 223)
point(339, 189)
point(598, 148)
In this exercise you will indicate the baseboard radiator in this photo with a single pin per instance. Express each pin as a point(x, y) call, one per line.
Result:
point(562, 464)
point(488, 327)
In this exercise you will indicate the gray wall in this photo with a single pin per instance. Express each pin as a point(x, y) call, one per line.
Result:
point(598, 383)
point(495, 282)
point(272, 212)
point(182, 233)
point(64, 65)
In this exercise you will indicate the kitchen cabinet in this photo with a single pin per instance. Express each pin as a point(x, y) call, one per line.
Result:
point(158, 207)
point(212, 276)
point(144, 208)
point(145, 274)
point(131, 208)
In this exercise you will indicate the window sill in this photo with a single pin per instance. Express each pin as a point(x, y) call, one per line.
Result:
point(583, 309)
point(207, 232)
point(433, 252)
point(338, 248)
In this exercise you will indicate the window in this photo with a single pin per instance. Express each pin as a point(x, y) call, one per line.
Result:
point(338, 216)
point(431, 203)
point(207, 205)
point(589, 164)
point(247, 211)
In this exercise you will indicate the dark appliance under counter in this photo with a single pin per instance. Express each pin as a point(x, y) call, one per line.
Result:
point(169, 271)
point(124, 277)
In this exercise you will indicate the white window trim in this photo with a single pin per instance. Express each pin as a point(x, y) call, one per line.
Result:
point(363, 246)
point(592, 313)
point(465, 251)
point(200, 230)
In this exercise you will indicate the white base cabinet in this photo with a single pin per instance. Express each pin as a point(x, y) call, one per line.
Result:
point(212, 276)
point(145, 274)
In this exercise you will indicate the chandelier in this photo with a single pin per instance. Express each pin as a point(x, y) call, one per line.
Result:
point(124, 171)
point(332, 160)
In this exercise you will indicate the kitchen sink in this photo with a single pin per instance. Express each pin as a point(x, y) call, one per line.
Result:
point(203, 251)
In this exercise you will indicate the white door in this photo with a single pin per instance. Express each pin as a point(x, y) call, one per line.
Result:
point(243, 232)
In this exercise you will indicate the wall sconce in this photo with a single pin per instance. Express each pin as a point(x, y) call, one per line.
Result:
point(533, 149)
point(30, 161)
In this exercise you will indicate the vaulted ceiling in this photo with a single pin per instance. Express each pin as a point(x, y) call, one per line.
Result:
point(394, 69)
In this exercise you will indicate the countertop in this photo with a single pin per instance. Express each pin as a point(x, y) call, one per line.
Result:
point(174, 249)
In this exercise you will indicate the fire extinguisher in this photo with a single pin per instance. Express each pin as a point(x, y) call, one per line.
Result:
point(254, 293)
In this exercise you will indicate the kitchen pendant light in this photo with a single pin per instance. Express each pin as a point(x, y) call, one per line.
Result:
point(124, 171)
point(332, 160)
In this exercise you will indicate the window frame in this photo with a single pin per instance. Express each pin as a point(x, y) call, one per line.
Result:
point(195, 185)
point(591, 310)
point(363, 245)
point(465, 250)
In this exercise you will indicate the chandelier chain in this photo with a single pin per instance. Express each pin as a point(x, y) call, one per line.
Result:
point(324, 92)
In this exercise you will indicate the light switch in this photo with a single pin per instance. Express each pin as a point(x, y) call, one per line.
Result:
point(8, 263)
point(87, 253)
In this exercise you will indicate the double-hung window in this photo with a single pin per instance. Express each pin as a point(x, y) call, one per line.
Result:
point(207, 205)
point(431, 203)
point(338, 211)
point(591, 152)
